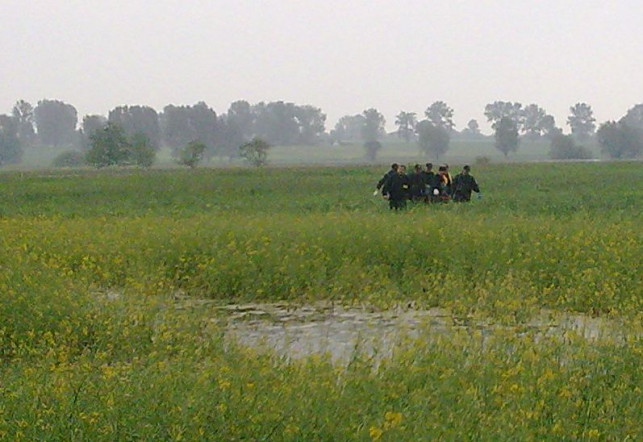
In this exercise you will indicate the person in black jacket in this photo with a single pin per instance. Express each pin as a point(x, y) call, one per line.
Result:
point(429, 178)
point(416, 183)
point(396, 188)
point(382, 181)
point(463, 184)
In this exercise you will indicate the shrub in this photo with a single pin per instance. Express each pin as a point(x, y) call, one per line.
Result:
point(191, 154)
point(563, 147)
point(255, 152)
point(70, 158)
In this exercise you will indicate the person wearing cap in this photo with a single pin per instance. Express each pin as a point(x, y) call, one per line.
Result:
point(463, 184)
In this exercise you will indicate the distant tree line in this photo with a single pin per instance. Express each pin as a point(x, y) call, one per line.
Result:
point(140, 131)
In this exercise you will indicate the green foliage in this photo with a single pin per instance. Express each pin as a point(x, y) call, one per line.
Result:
point(255, 152)
point(406, 122)
point(70, 158)
point(142, 152)
point(104, 326)
point(506, 135)
point(10, 147)
point(372, 125)
point(184, 124)
point(433, 140)
point(191, 154)
point(563, 147)
point(137, 120)
point(581, 121)
point(109, 147)
point(441, 115)
point(56, 122)
point(620, 140)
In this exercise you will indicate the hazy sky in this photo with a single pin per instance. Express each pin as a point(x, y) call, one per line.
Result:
point(341, 55)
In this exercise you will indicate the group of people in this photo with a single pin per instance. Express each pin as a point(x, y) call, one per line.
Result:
point(425, 185)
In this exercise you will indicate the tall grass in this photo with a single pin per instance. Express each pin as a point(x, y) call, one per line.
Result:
point(93, 346)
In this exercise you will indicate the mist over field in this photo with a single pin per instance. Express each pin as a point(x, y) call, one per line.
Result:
point(298, 74)
point(175, 265)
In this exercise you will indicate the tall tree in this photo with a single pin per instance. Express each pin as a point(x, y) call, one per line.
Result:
point(581, 121)
point(634, 118)
point(23, 112)
point(498, 110)
point(240, 117)
point(440, 115)
point(138, 120)
point(405, 122)
point(620, 140)
point(548, 127)
point(312, 124)
point(432, 139)
point(183, 124)
point(91, 124)
point(275, 123)
point(373, 125)
point(229, 137)
point(10, 148)
point(506, 134)
point(56, 122)
point(109, 146)
point(536, 122)
point(472, 130)
point(473, 127)
point(348, 128)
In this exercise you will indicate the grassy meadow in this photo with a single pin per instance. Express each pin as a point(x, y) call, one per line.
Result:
point(95, 343)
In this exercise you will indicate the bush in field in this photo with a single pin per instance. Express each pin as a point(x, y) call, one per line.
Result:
point(482, 161)
point(255, 152)
point(563, 147)
point(141, 150)
point(109, 147)
point(191, 154)
point(71, 158)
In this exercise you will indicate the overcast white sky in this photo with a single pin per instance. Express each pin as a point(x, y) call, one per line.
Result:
point(341, 55)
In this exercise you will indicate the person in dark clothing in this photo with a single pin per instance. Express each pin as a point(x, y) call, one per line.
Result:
point(396, 188)
point(428, 176)
point(463, 184)
point(406, 183)
point(416, 184)
point(382, 181)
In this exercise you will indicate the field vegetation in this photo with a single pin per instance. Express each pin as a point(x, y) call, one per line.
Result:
point(97, 343)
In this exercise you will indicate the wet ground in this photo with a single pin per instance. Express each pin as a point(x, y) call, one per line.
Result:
point(340, 331)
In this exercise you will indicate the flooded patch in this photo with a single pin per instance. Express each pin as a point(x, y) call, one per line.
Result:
point(340, 331)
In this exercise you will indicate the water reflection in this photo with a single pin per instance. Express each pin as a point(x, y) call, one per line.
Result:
point(340, 331)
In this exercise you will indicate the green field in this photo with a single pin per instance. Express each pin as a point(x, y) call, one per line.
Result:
point(96, 341)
